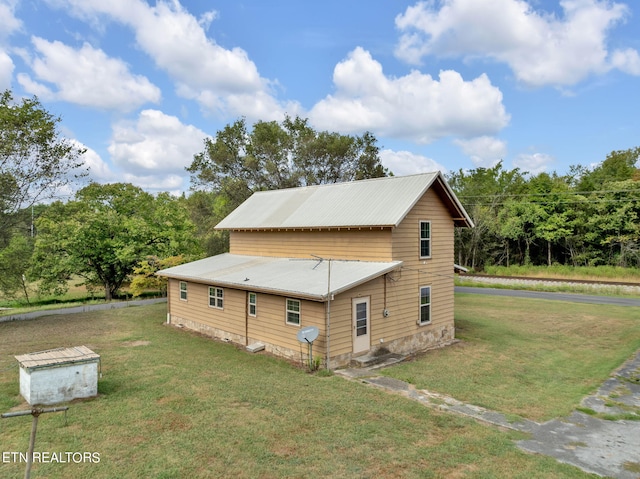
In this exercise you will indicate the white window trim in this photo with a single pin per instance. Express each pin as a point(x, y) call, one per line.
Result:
point(216, 297)
point(421, 238)
point(254, 304)
point(287, 311)
point(180, 290)
point(420, 306)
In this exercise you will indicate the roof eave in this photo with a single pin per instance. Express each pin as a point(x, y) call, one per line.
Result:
point(281, 292)
point(366, 279)
point(247, 287)
point(307, 228)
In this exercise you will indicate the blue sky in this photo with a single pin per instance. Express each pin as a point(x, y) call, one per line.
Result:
point(449, 84)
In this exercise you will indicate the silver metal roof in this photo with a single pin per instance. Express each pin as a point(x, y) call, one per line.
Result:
point(300, 278)
point(375, 202)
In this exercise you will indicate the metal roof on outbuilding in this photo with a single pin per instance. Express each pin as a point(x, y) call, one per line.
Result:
point(382, 202)
point(300, 278)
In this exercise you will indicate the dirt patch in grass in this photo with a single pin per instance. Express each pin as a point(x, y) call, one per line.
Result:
point(133, 344)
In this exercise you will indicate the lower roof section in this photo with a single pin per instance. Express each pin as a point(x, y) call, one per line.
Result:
point(300, 278)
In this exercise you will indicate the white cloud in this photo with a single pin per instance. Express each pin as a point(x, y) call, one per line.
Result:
point(174, 184)
point(6, 71)
point(627, 61)
point(253, 105)
point(415, 106)
point(484, 151)
point(406, 163)
point(533, 163)
point(157, 146)
point(99, 170)
point(86, 76)
point(9, 25)
point(539, 47)
point(178, 44)
point(8, 20)
point(207, 18)
point(145, 176)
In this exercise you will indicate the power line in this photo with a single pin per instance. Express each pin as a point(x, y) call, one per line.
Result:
point(556, 193)
point(565, 202)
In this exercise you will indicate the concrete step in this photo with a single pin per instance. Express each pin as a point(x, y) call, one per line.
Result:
point(376, 360)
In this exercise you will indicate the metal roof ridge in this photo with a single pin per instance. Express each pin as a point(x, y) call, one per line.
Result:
point(349, 182)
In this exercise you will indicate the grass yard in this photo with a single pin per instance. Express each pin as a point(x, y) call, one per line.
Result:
point(594, 273)
point(173, 404)
point(528, 357)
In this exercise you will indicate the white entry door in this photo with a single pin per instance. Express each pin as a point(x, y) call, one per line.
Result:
point(361, 326)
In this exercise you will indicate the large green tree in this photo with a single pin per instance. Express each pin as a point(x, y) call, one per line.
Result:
point(619, 165)
point(613, 224)
point(36, 163)
point(14, 262)
point(207, 209)
point(483, 192)
point(556, 220)
point(105, 232)
point(272, 155)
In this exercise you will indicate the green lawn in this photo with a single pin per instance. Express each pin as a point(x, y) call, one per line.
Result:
point(595, 273)
point(528, 357)
point(174, 404)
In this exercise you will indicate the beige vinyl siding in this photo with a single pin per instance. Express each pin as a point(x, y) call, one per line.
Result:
point(342, 321)
point(196, 307)
point(367, 244)
point(436, 271)
point(270, 325)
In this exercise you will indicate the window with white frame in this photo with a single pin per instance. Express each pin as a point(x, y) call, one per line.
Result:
point(425, 305)
point(293, 311)
point(216, 297)
point(183, 290)
point(425, 239)
point(253, 304)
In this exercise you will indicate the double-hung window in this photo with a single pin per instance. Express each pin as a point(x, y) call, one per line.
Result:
point(216, 297)
point(425, 239)
point(253, 304)
point(293, 312)
point(425, 305)
point(183, 290)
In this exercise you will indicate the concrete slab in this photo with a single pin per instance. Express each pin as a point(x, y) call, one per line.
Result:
point(606, 448)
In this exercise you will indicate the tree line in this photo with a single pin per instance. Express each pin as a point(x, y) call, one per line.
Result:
point(588, 217)
point(109, 235)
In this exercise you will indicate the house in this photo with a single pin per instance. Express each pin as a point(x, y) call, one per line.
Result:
point(369, 263)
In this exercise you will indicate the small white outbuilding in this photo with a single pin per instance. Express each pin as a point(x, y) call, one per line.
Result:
point(58, 375)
